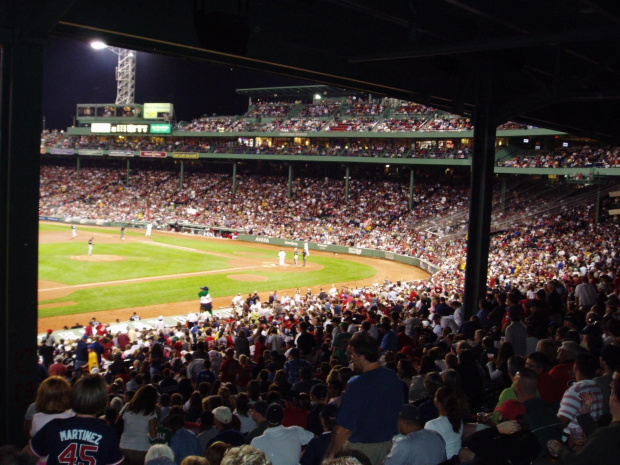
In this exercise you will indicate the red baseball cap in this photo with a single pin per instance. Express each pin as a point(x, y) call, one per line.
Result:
point(512, 410)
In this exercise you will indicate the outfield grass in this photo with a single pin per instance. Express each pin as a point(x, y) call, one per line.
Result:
point(147, 260)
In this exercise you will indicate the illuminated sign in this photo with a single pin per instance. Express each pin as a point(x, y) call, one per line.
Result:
point(156, 110)
point(119, 128)
point(100, 127)
point(123, 128)
point(161, 128)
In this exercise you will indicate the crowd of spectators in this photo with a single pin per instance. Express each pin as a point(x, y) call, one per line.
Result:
point(543, 344)
point(512, 126)
point(575, 157)
point(400, 125)
point(264, 108)
point(322, 108)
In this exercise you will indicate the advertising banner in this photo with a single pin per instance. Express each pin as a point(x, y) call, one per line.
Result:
point(153, 154)
point(90, 152)
point(62, 151)
point(186, 155)
point(120, 153)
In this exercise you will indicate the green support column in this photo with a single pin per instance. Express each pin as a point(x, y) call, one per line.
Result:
point(290, 181)
point(483, 160)
point(20, 119)
point(79, 165)
point(234, 180)
point(411, 184)
point(128, 171)
point(182, 174)
point(503, 193)
point(346, 185)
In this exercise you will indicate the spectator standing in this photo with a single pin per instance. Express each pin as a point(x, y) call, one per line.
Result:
point(281, 444)
point(139, 422)
point(366, 425)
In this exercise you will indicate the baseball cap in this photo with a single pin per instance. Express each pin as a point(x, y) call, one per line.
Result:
point(274, 414)
point(161, 317)
point(329, 412)
point(410, 412)
point(222, 414)
point(319, 391)
point(206, 288)
point(260, 407)
point(50, 331)
point(512, 410)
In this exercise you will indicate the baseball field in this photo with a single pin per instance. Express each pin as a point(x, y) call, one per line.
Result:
point(162, 274)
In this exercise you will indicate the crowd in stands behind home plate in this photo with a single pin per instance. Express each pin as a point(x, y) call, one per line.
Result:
point(281, 373)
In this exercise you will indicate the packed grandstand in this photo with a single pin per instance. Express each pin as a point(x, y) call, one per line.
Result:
point(550, 309)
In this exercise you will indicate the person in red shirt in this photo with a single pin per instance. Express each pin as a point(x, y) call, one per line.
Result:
point(548, 388)
point(58, 368)
point(562, 373)
point(230, 367)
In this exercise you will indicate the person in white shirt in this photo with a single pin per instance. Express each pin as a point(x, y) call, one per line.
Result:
point(281, 444)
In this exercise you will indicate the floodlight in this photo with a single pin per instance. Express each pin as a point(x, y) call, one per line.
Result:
point(98, 45)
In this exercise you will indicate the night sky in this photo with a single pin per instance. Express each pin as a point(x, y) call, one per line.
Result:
point(76, 73)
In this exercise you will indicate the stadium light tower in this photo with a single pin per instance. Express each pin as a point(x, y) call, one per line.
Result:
point(125, 72)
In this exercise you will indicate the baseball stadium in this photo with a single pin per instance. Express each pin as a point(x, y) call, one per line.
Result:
point(402, 251)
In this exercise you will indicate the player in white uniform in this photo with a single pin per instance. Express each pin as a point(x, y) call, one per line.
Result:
point(73, 231)
point(306, 248)
point(282, 256)
point(90, 246)
point(296, 256)
point(149, 228)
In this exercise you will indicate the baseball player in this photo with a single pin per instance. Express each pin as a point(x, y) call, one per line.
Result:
point(296, 256)
point(149, 228)
point(123, 233)
point(282, 256)
point(90, 246)
point(73, 231)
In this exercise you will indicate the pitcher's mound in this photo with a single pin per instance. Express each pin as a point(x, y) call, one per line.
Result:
point(247, 277)
point(98, 258)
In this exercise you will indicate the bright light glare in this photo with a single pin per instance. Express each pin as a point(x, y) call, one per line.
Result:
point(98, 45)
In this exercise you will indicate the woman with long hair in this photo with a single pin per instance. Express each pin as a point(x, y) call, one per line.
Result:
point(498, 369)
point(453, 381)
point(449, 423)
point(243, 412)
point(193, 407)
point(244, 375)
point(281, 380)
point(156, 359)
point(53, 401)
point(139, 423)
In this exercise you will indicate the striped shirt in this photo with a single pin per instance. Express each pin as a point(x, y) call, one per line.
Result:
point(570, 406)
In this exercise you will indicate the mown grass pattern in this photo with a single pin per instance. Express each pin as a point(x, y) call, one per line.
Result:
point(147, 260)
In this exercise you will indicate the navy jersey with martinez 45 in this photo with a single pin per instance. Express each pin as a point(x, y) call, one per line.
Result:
point(77, 441)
